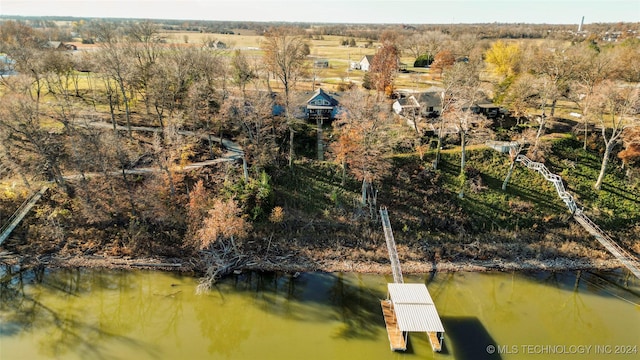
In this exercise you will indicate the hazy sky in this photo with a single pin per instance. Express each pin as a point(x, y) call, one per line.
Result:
point(341, 11)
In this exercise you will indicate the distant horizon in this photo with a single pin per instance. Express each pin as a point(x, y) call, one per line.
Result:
point(414, 12)
point(11, 16)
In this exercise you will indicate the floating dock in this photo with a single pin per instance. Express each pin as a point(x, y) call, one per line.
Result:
point(408, 307)
point(414, 311)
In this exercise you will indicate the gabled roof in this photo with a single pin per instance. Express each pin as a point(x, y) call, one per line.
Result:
point(430, 99)
point(409, 101)
point(369, 58)
point(324, 95)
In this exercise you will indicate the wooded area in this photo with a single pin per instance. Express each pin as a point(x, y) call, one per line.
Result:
point(115, 123)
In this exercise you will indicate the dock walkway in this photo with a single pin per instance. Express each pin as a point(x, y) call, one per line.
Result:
point(22, 211)
point(391, 247)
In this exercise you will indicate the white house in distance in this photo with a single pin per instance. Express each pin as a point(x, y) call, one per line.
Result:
point(363, 64)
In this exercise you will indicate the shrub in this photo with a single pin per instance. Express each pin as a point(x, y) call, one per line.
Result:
point(423, 61)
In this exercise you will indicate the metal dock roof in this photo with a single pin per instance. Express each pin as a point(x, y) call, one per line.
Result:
point(414, 308)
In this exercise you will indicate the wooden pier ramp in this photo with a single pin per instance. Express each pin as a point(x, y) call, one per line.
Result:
point(391, 247)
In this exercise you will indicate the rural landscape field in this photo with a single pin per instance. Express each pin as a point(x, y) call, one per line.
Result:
point(223, 150)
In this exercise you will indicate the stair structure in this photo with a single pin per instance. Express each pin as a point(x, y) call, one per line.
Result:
point(626, 258)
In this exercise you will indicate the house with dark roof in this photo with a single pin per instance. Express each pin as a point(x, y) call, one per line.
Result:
point(321, 63)
point(406, 106)
point(321, 105)
point(486, 108)
point(427, 104)
point(317, 105)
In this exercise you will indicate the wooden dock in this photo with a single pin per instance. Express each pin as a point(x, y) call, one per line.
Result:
point(408, 307)
point(435, 342)
point(396, 337)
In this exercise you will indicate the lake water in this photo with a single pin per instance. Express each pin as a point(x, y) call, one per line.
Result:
point(99, 314)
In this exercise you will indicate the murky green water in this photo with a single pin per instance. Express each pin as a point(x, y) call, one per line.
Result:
point(92, 314)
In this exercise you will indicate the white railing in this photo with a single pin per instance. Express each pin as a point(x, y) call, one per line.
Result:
point(626, 258)
point(555, 179)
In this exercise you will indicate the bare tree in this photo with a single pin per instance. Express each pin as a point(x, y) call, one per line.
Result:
point(463, 82)
point(170, 150)
point(363, 143)
point(527, 96)
point(523, 140)
point(23, 45)
point(21, 123)
point(145, 46)
point(593, 67)
point(521, 97)
point(617, 110)
point(466, 44)
point(555, 67)
point(285, 52)
point(257, 126)
point(626, 57)
point(546, 90)
point(59, 77)
point(115, 62)
point(425, 43)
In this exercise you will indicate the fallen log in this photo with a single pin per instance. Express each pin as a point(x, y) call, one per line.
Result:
point(149, 264)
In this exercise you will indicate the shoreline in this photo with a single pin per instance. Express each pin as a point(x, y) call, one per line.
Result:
point(292, 264)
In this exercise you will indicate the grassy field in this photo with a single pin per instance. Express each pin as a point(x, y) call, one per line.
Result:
point(247, 40)
point(328, 47)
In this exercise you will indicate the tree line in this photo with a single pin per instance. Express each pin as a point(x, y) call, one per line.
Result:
point(134, 78)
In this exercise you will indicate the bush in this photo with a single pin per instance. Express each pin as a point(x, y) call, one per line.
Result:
point(423, 61)
point(366, 82)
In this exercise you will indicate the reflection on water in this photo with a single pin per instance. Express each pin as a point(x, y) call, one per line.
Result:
point(98, 314)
